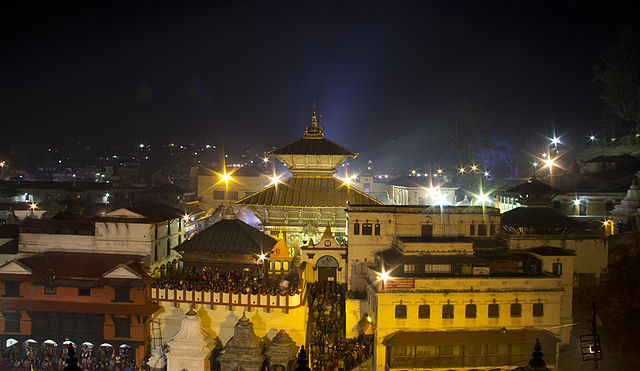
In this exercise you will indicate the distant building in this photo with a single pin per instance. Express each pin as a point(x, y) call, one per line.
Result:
point(420, 190)
point(213, 191)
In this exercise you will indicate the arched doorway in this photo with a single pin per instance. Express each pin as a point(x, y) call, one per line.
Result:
point(327, 268)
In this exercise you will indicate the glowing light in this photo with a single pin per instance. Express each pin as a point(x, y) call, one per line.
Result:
point(549, 162)
point(576, 202)
point(369, 319)
point(225, 177)
point(185, 217)
point(592, 138)
point(262, 257)
point(413, 172)
point(141, 145)
point(275, 179)
point(33, 206)
point(474, 167)
point(555, 141)
point(384, 276)
point(439, 171)
point(535, 164)
point(486, 174)
point(461, 170)
point(3, 164)
point(483, 198)
point(544, 155)
point(107, 195)
point(265, 159)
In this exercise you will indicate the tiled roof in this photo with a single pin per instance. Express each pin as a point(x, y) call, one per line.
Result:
point(72, 265)
point(534, 187)
point(312, 146)
point(300, 191)
point(538, 217)
point(158, 212)
point(229, 236)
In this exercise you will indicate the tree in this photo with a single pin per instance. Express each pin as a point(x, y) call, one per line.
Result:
point(619, 72)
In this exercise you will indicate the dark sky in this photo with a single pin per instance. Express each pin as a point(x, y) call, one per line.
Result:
point(384, 73)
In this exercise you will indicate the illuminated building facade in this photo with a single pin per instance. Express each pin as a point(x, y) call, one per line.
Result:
point(213, 192)
point(443, 292)
point(303, 204)
point(91, 299)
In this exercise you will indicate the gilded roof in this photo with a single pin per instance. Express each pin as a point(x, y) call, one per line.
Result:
point(302, 191)
point(312, 146)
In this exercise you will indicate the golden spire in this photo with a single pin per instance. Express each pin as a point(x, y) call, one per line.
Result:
point(314, 130)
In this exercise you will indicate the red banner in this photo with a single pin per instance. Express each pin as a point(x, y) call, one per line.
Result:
point(399, 283)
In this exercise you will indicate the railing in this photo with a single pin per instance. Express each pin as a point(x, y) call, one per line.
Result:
point(228, 299)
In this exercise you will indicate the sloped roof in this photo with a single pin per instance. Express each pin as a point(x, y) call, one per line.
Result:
point(150, 214)
point(72, 265)
point(301, 191)
point(312, 146)
point(538, 217)
point(229, 236)
point(534, 187)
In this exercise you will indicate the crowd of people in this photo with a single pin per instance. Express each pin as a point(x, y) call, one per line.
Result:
point(237, 281)
point(329, 349)
point(31, 356)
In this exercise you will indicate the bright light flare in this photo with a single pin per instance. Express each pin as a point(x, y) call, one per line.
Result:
point(275, 180)
point(384, 276)
point(439, 171)
point(592, 138)
point(3, 164)
point(474, 167)
point(486, 174)
point(555, 140)
point(33, 206)
point(549, 162)
point(185, 217)
point(461, 170)
point(576, 202)
point(265, 160)
point(413, 172)
point(226, 177)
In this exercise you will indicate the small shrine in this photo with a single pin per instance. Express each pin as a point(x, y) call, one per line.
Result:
point(327, 257)
point(281, 353)
point(191, 347)
point(628, 207)
point(280, 259)
point(244, 350)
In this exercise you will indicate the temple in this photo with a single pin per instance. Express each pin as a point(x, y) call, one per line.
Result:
point(303, 204)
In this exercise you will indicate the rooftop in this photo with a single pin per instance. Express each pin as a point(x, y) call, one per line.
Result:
point(312, 191)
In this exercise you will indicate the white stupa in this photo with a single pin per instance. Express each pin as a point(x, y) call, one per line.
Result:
point(191, 347)
point(628, 207)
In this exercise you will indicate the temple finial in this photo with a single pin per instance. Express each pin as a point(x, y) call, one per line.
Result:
point(314, 130)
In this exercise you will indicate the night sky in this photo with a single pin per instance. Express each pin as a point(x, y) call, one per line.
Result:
point(385, 74)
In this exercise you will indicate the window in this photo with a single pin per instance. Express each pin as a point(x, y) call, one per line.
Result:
point(437, 268)
point(470, 311)
point(168, 247)
point(233, 195)
point(516, 310)
point(122, 293)
point(376, 229)
point(12, 288)
point(494, 310)
point(472, 229)
point(401, 311)
point(11, 321)
point(49, 290)
point(427, 230)
point(367, 229)
point(424, 311)
point(538, 310)
point(285, 265)
point(447, 311)
point(122, 327)
point(218, 195)
point(356, 228)
point(84, 292)
point(482, 229)
point(492, 229)
point(409, 268)
point(557, 268)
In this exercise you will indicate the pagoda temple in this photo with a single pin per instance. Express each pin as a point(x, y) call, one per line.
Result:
point(312, 197)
